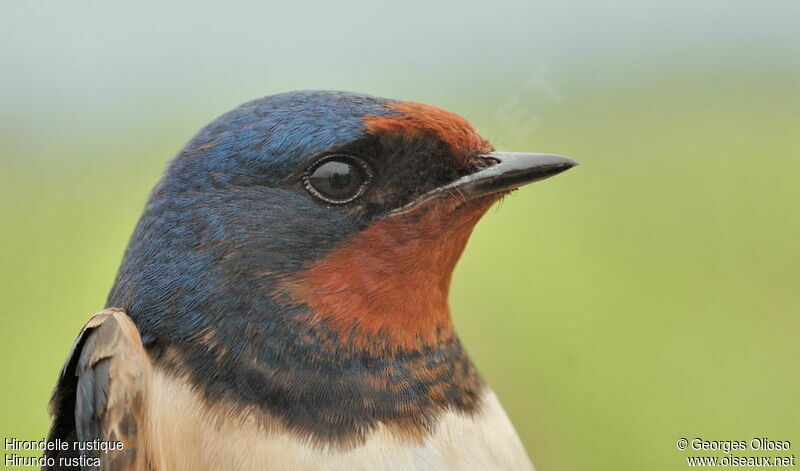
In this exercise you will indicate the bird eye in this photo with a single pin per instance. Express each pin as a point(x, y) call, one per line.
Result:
point(338, 179)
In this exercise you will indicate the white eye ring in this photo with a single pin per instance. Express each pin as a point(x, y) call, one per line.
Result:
point(337, 178)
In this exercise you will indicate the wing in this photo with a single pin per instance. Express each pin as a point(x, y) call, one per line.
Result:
point(100, 394)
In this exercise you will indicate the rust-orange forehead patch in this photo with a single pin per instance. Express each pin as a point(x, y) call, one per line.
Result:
point(413, 118)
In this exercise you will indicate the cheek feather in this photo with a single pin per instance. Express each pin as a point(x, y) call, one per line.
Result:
point(414, 118)
point(390, 282)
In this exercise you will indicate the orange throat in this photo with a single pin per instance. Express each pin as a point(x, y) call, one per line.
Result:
point(388, 284)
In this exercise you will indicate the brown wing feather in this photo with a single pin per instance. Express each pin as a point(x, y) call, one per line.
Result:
point(100, 393)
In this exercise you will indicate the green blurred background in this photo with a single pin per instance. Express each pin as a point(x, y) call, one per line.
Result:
point(648, 295)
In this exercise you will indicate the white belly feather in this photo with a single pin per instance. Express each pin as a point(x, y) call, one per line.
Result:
point(184, 434)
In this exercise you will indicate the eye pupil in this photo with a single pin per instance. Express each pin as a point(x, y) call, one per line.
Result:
point(338, 174)
point(338, 179)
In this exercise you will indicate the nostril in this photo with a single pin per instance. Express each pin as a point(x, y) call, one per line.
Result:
point(481, 162)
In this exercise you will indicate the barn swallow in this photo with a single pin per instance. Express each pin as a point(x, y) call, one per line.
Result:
point(282, 304)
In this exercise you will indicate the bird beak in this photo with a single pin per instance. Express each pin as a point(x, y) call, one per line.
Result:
point(502, 171)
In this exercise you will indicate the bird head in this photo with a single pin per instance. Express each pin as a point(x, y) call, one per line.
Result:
point(313, 223)
point(355, 206)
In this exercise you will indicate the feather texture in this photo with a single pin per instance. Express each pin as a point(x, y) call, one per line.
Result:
point(101, 394)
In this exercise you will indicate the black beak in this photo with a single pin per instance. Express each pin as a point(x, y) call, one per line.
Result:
point(504, 171)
